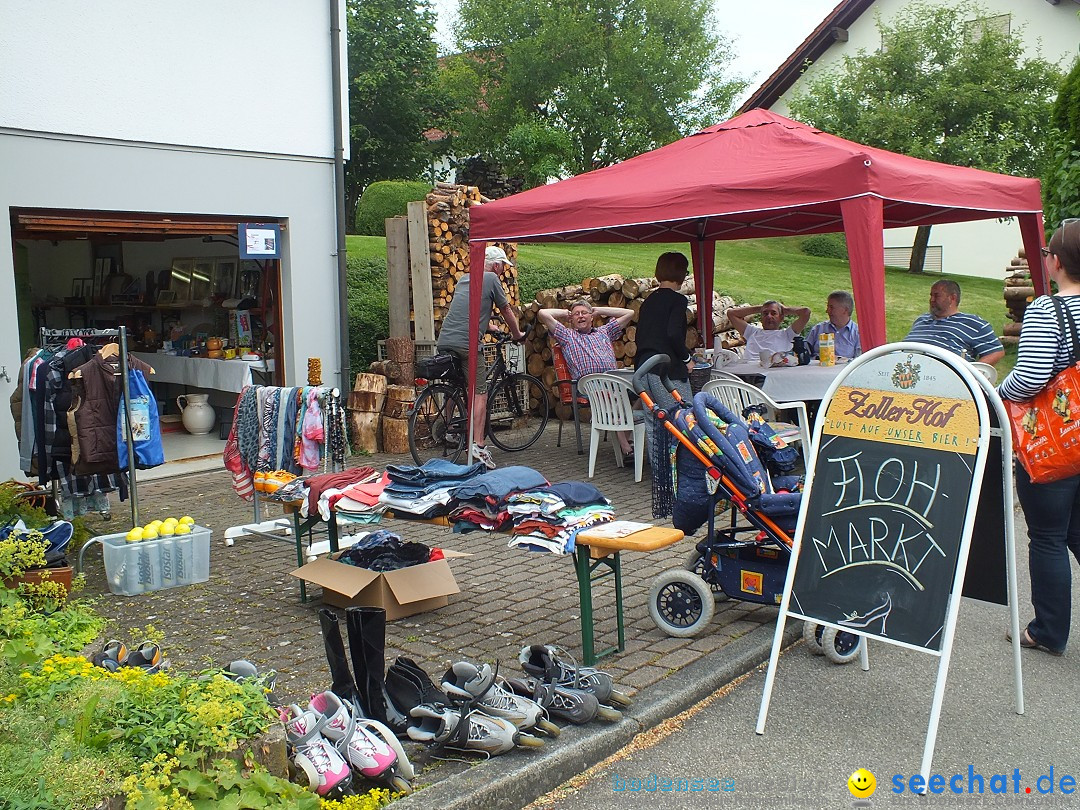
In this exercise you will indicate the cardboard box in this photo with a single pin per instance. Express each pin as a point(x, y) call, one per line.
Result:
point(404, 592)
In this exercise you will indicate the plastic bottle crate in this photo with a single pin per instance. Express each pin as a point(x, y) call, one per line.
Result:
point(151, 565)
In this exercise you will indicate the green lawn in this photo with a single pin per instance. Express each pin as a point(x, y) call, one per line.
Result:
point(753, 270)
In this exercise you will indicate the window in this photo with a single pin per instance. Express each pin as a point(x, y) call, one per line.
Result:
point(998, 24)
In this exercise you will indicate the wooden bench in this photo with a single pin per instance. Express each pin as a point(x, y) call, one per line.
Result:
point(592, 553)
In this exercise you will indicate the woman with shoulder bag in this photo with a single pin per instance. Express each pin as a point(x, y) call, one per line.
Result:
point(1052, 509)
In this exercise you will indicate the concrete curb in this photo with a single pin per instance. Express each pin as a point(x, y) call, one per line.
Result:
point(511, 783)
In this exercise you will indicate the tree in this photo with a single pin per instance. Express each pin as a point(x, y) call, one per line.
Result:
point(943, 87)
point(392, 81)
point(546, 87)
point(1061, 183)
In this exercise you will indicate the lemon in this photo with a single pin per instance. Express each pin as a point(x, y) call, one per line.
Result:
point(135, 535)
point(149, 534)
point(188, 520)
point(149, 527)
point(183, 528)
point(154, 523)
point(170, 521)
point(167, 530)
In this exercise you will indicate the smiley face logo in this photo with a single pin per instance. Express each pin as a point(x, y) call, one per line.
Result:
point(862, 784)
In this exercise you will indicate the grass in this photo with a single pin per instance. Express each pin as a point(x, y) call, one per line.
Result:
point(752, 271)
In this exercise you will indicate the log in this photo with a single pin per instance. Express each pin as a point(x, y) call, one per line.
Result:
point(395, 433)
point(1012, 329)
point(368, 394)
point(364, 429)
point(399, 401)
point(1020, 294)
point(402, 352)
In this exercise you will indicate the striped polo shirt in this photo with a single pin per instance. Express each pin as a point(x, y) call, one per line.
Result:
point(962, 333)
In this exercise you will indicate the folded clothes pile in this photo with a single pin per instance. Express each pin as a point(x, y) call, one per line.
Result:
point(549, 518)
point(481, 502)
point(424, 492)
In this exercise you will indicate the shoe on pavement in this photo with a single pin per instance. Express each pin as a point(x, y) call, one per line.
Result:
point(577, 706)
point(466, 683)
point(369, 747)
point(551, 664)
point(483, 455)
point(466, 730)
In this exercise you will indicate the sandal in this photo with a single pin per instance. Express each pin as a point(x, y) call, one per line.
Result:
point(1027, 641)
point(112, 656)
point(146, 656)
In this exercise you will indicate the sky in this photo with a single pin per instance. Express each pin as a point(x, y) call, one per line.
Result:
point(763, 33)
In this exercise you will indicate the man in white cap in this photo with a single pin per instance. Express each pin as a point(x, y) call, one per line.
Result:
point(454, 337)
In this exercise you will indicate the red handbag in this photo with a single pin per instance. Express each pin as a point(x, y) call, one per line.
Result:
point(1046, 428)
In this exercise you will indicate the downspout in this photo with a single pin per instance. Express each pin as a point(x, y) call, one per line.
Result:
point(339, 195)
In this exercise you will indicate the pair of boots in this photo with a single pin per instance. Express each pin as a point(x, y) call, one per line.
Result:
point(367, 647)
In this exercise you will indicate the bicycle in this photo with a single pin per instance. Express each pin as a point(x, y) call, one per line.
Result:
point(518, 408)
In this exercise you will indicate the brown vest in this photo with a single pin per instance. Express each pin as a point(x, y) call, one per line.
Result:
point(95, 420)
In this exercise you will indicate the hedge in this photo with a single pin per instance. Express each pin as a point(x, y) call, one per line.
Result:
point(385, 199)
point(825, 246)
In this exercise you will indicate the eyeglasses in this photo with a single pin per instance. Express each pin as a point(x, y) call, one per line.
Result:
point(1045, 251)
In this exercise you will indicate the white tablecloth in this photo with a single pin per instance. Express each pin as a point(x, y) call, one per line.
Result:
point(201, 372)
point(790, 383)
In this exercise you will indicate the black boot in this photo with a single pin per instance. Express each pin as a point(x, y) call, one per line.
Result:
point(342, 683)
point(367, 646)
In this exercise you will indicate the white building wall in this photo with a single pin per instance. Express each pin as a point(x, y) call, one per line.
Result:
point(203, 107)
point(1053, 32)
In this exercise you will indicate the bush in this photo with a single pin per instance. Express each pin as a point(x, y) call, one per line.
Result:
point(533, 278)
point(369, 319)
point(385, 199)
point(825, 246)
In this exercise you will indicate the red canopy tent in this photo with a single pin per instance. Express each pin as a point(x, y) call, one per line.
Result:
point(760, 175)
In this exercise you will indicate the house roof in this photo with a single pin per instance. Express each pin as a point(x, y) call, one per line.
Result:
point(832, 28)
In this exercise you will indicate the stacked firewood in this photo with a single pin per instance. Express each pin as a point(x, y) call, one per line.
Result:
point(1019, 292)
point(478, 172)
point(448, 243)
point(613, 291)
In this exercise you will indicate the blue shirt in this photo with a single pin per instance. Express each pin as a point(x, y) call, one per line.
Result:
point(962, 333)
point(846, 341)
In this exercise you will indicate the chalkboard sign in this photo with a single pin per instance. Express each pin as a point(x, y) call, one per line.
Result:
point(889, 494)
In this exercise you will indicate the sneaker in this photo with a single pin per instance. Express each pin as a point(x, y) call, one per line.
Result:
point(313, 754)
point(483, 455)
point(478, 686)
point(552, 664)
point(244, 670)
point(369, 747)
point(467, 730)
point(58, 535)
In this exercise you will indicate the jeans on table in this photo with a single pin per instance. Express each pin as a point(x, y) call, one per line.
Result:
point(1052, 512)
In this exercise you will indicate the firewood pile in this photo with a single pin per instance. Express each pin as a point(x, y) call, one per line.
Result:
point(478, 172)
point(1019, 292)
point(613, 291)
point(448, 243)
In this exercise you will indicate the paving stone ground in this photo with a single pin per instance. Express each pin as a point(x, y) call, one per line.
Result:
point(250, 607)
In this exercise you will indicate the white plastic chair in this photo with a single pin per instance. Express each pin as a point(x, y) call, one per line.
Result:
point(986, 370)
point(609, 400)
point(737, 394)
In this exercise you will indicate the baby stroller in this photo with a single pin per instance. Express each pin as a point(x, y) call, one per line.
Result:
point(721, 455)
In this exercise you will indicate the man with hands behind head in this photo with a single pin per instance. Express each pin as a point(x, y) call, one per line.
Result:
point(768, 336)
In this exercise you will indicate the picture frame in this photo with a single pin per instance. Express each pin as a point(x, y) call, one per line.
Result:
point(166, 297)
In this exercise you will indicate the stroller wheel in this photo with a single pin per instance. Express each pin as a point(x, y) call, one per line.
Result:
point(681, 603)
point(695, 562)
point(840, 646)
point(811, 633)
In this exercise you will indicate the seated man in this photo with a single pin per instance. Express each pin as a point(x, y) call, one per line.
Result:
point(839, 308)
point(768, 336)
point(963, 333)
point(588, 350)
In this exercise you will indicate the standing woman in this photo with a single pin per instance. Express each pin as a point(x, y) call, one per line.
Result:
point(1052, 510)
point(661, 329)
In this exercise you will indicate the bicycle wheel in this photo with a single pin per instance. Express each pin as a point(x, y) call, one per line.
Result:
point(438, 426)
point(518, 412)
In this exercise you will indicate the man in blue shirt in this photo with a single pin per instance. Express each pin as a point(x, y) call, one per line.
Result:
point(839, 307)
point(965, 334)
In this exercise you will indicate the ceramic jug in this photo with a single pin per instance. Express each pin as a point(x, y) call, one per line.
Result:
point(196, 413)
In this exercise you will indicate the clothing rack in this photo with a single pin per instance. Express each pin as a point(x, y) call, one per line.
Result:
point(54, 337)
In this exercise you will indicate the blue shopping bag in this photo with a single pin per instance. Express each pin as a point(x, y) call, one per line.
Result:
point(145, 427)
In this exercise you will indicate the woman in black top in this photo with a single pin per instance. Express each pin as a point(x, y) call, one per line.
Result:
point(661, 329)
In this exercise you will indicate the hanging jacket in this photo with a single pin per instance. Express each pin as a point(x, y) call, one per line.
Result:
point(96, 418)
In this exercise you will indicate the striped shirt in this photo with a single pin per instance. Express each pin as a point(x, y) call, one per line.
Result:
point(1044, 351)
point(962, 333)
point(589, 352)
